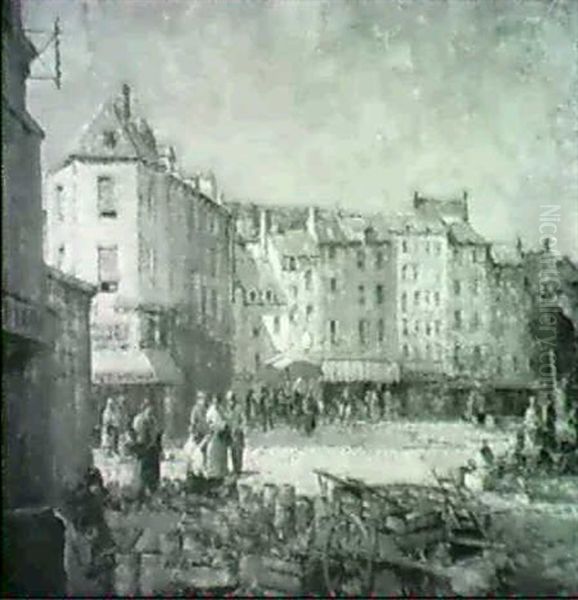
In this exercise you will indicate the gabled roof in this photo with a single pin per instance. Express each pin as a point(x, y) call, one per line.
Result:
point(505, 254)
point(251, 272)
point(295, 243)
point(112, 135)
point(464, 233)
point(328, 229)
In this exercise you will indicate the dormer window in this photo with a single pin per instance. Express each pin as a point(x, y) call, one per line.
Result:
point(252, 296)
point(109, 139)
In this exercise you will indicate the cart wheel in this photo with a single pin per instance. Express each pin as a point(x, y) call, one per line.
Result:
point(347, 559)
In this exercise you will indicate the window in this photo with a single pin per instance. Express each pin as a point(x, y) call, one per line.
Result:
point(269, 296)
point(276, 324)
point(428, 329)
point(151, 263)
point(457, 351)
point(106, 198)
point(457, 287)
point(252, 296)
point(437, 298)
point(362, 330)
point(380, 330)
point(474, 255)
point(426, 298)
point(294, 291)
point(360, 259)
point(499, 366)
point(475, 287)
point(333, 331)
point(456, 255)
point(108, 273)
point(415, 273)
point(404, 302)
point(475, 321)
point(331, 252)
point(163, 331)
point(427, 248)
point(213, 262)
point(109, 139)
point(379, 259)
point(291, 263)
point(428, 350)
point(61, 256)
point(60, 200)
point(416, 298)
point(404, 272)
point(458, 319)
point(333, 284)
point(404, 327)
point(437, 326)
point(308, 276)
point(515, 364)
point(416, 327)
point(256, 331)
point(379, 294)
point(405, 351)
point(361, 291)
point(404, 246)
point(257, 361)
point(308, 312)
point(214, 304)
point(477, 355)
point(203, 301)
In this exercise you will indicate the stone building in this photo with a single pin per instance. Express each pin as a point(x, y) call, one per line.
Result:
point(158, 246)
point(511, 306)
point(27, 326)
point(73, 418)
point(260, 316)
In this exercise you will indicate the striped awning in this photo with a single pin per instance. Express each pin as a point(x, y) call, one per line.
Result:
point(133, 367)
point(360, 370)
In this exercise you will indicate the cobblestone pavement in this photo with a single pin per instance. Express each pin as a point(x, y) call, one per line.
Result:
point(380, 453)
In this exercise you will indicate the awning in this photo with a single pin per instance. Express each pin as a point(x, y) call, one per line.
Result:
point(111, 367)
point(294, 366)
point(514, 384)
point(360, 370)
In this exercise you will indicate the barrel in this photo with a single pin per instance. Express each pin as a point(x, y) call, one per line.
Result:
point(270, 493)
point(245, 494)
point(284, 521)
point(126, 575)
point(150, 573)
point(303, 514)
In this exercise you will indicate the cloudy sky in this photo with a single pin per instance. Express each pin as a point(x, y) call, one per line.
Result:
point(350, 103)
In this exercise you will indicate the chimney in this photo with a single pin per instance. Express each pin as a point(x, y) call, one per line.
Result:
point(417, 201)
point(465, 196)
point(263, 228)
point(312, 220)
point(126, 112)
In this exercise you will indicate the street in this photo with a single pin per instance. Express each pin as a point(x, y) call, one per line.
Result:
point(378, 453)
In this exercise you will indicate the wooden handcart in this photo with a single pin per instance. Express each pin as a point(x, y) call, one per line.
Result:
point(397, 538)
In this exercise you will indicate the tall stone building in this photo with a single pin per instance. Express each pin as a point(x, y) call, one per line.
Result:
point(73, 415)
point(27, 326)
point(158, 246)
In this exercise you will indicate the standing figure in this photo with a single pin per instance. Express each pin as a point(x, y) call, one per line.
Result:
point(218, 440)
point(531, 424)
point(111, 426)
point(550, 438)
point(309, 413)
point(198, 432)
point(237, 424)
point(345, 405)
point(148, 449)
point(249, 406)
point(263, 407)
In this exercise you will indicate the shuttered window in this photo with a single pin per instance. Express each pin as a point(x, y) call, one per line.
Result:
point(107, 203)
point(108, 272)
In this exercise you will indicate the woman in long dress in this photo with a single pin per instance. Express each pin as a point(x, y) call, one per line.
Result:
point(237, 424)
point(218, 441)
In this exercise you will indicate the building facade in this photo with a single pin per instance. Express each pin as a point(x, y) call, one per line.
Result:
point(158, 246)
point(26, 324)
point(73, 419)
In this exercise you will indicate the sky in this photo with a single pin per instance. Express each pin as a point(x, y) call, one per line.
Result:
point(355, 104)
